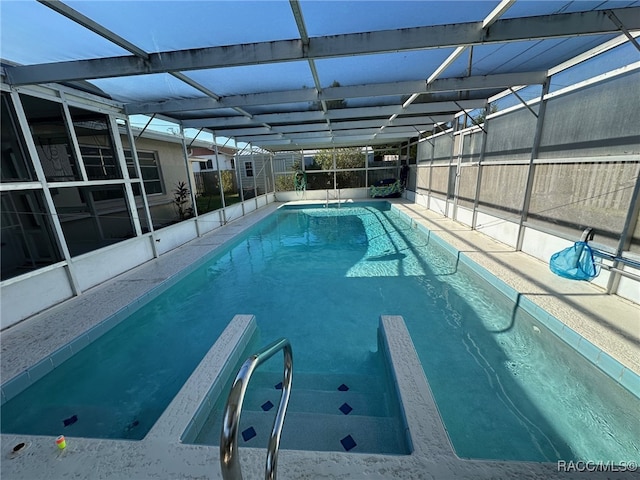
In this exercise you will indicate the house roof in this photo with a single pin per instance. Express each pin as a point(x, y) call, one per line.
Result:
point(302, 73)
point(209, 151)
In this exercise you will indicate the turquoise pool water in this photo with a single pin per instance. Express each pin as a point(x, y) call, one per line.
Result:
point(506, 387)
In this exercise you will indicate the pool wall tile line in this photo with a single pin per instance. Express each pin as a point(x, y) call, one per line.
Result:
point(589, 350)
point(183, 418)
point(61, 356)
point(553, 324)
point(584, 347)
point(79, 343)
point(426, 431)
point(39, 370)
point(47, 364)
point(16, 385)
point(630, 380)
point(167, 271)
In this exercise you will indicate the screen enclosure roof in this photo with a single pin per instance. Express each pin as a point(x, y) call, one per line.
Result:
point(286, 75)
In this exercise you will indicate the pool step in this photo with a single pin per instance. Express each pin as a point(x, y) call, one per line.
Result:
point(326, 413)
point(321, 381)
point(319, 401)
point(314, 431)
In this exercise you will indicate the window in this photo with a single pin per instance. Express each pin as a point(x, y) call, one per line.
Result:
point(99, 163)
point(99, 157)
point(149, 168)
point(50, 134)
point(28, 241)
point(248, 169)
point(206, 165)
point(93, 217)
point(16, 166)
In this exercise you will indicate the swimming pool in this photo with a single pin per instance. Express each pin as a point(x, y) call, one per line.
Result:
point(338, 270)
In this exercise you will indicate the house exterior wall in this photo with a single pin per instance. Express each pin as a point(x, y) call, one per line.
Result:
point(260, 167)
point(172, 171)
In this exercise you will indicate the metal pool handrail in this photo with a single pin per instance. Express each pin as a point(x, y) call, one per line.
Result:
point(229, 458)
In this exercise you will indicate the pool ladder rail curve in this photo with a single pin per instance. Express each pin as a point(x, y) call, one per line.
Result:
point(229, 455)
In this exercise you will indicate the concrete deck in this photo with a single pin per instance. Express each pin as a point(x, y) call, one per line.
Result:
point(607, 321)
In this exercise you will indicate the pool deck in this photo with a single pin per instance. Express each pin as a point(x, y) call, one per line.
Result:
point(609, 322)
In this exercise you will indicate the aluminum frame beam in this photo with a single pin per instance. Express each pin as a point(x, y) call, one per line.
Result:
point(427, 37)
point(453, 84)
point(402, 131)
point(74, 15)
point(355, 141)
point(321, 127)
point(362, 113)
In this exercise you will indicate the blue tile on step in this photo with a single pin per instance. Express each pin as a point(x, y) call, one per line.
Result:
point(348, 442)
point(343, 388)
point(345, 408)
point(248, 434)
point(266, 406)
point(279, 386)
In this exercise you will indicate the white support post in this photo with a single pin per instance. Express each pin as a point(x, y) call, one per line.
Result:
point(187, 167)
point(625, 236)
point(143, 193)
point(433, 152)
point(220, 187)
point(255, 182)
point(526, 201)
point(483, 149)
point(238, 170)
point(273, 177)
point(122, 163)
point(72, 136)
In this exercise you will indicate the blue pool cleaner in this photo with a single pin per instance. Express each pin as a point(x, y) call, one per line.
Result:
point(576, 262)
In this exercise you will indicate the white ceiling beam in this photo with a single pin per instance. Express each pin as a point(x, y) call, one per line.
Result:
point(437, 36)
point(95, 27)
point(362, 113)
point(489, 20)
point(304, 36)
point(74, 15)
point(454, 84)
point(594, 52)
point(393, 136)
point(415, 109)
point(234, 132)
point(274, 136)
point(444, 65)
point(265, 142)
point(486, 82)
point(497, 12)
point(410, 130)
point(350, 135)
point(335, 126)
point(399, 122)
point(355, 141)
point(181, 76)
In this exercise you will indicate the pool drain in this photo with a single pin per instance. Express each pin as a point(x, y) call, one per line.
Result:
point(18, 449)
